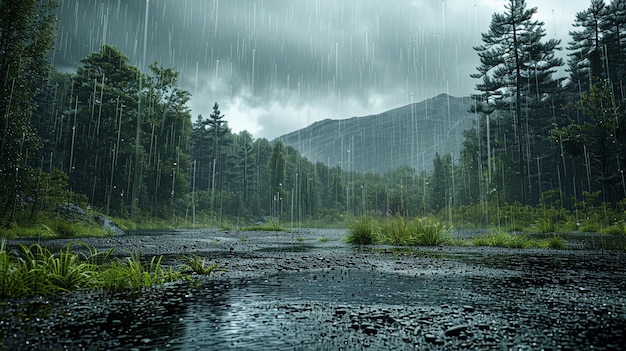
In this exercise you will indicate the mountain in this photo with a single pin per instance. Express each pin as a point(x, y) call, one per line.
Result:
point(405, 136)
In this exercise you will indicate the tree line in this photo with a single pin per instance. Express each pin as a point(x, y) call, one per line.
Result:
point(123, 142)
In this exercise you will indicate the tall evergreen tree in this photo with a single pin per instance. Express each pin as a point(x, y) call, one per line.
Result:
point(516, 77)
point(585, 49)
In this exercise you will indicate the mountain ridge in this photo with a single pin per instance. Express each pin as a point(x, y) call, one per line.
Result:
point(409, 135)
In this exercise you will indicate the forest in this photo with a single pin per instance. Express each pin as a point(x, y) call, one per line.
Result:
point(122, 142)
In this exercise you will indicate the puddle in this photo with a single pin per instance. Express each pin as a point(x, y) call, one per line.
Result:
point(327, 299)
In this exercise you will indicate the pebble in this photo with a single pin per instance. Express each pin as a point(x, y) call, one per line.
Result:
point(456, 330)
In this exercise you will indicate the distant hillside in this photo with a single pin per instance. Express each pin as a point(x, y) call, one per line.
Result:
point(406, 136)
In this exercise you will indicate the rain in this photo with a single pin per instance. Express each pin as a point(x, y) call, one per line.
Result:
point(278, 68)
point(314, 174)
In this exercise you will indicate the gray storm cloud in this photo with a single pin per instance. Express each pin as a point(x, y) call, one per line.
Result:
point(276, 66)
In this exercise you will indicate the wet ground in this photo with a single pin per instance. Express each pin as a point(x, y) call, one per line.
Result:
point(307, 290)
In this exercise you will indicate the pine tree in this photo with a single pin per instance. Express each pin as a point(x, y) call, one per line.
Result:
point(585, 49)
point(516, 72)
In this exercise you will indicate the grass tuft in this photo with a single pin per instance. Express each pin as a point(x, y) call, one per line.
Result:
point(361, 232)
point(36, 270)
point(271, 226)
point(198, 265)
point(500, 238)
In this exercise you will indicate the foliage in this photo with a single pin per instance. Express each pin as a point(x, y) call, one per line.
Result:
point(556, 242)
point(198, 264)
point(271, 226)
point(362, 232)
point(429, 231)
point(513, 54)
point(500, 238)
point(545, 225)
point(27, 34)
point(36, 270)
point(399, 231)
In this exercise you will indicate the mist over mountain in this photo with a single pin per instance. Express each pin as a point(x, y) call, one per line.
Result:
point(407, 136)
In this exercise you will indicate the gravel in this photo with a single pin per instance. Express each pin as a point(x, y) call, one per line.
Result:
point(293, 291)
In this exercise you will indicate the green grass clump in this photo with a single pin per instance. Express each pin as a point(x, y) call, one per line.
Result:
point(590, 227)
point(399, 231)
point(323, 240)
point(198, 264)
point(271, 226)
point(555, 242)
point(36, 270)
point(615, 229)
point(65, 230)
point(429, 231)
point(500, 238)
point(134, 275)
point(361, 232)
point(546, 225)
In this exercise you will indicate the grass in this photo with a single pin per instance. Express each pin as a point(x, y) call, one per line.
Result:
point(501, 238)
point(555, 242)
point(198, 264)
point(53, 228)
point(615, 229)
point(399, 231)
point(271, 226)
point(429, 231)
point(546, 225)
point(361, 232)
point(36, 270)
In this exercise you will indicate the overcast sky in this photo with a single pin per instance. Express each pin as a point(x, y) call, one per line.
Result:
point(276, 66)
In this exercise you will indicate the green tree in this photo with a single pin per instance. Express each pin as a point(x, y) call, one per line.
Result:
point(516, 78)
point(165, 133)
point(276, 166)
point(100, 130)
point(27, 30)
point(600, 140)
point(585, 49)
point(441, 182)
